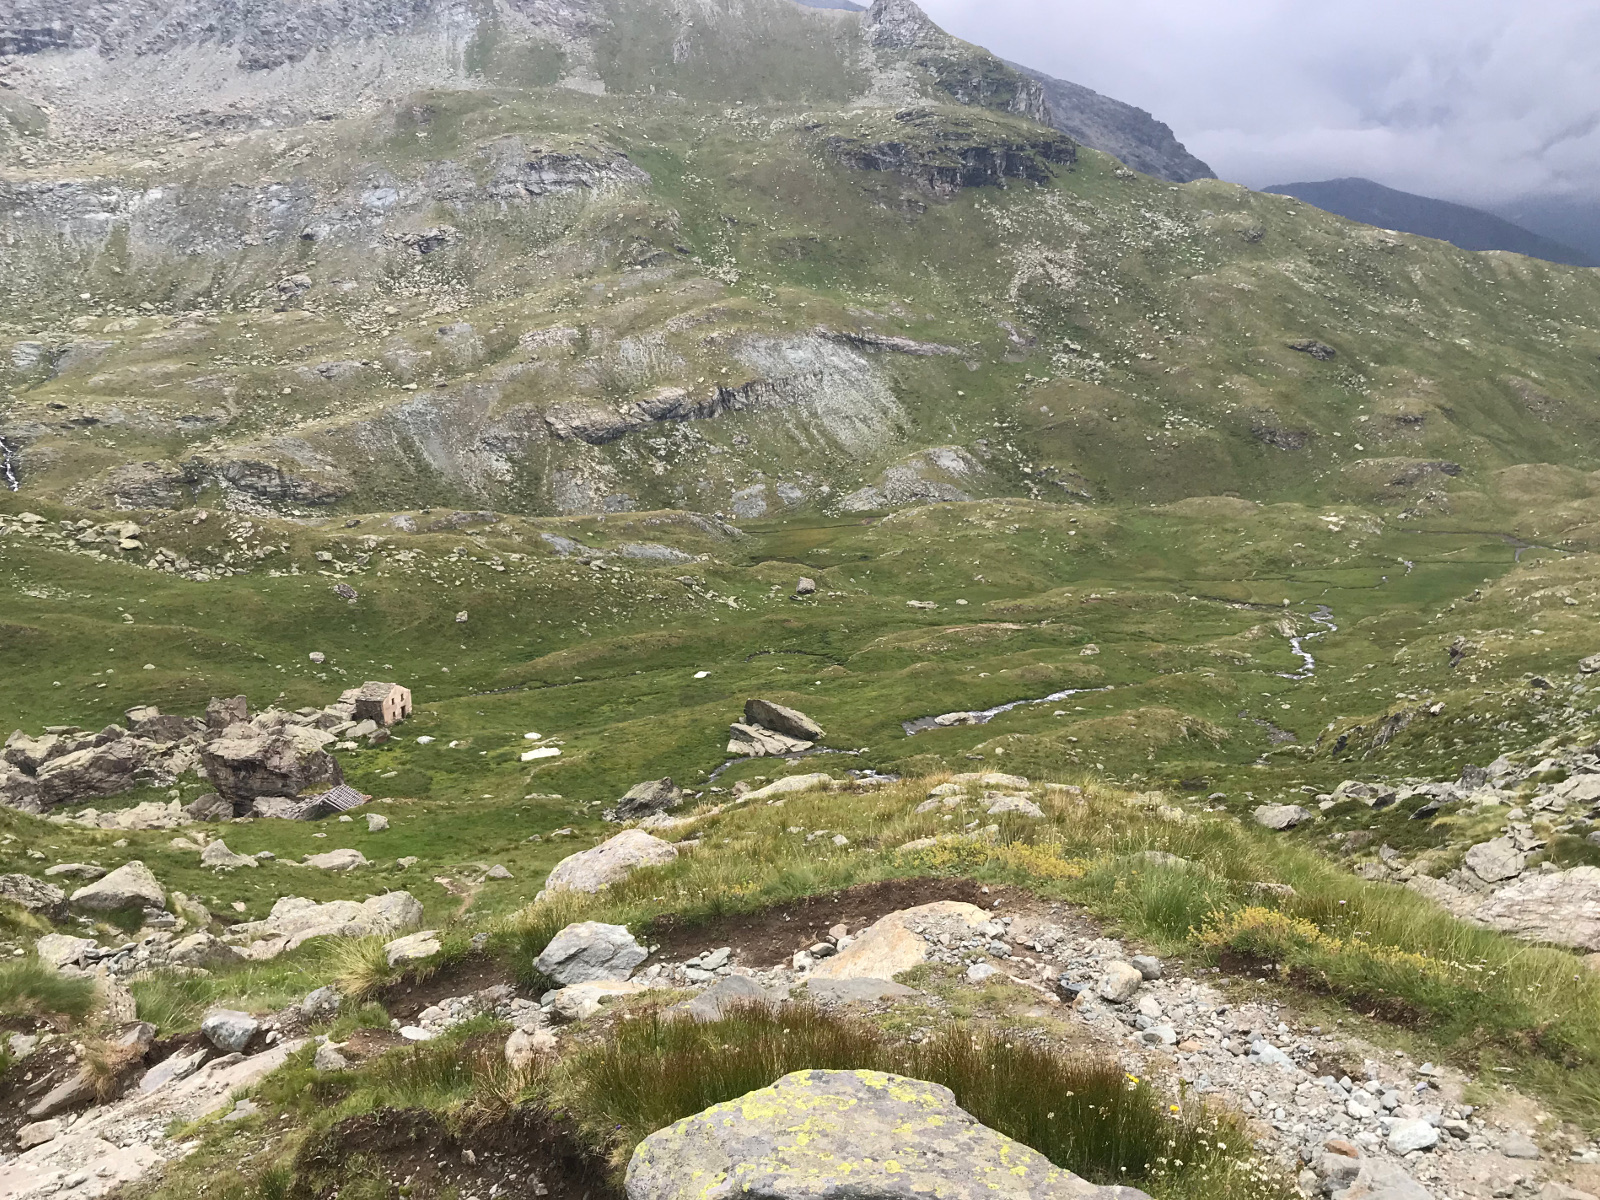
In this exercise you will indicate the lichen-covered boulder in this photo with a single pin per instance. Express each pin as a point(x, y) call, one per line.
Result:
point(861, 1135)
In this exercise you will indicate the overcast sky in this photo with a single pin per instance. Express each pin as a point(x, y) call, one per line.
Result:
point(1478, 101)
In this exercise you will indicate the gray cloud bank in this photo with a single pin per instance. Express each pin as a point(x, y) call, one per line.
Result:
point(1479, 101)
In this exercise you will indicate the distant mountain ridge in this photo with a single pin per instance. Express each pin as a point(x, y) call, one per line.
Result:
point(1128, 134)
point(1120, 130)
point(1468, 228)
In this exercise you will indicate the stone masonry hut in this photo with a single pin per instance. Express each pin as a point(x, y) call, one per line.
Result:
point(385, 703)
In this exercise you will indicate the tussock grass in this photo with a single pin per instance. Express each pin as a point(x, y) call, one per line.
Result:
point(360, 967)
point(1087, 1116)
point(172, 1002)
point(29, 988)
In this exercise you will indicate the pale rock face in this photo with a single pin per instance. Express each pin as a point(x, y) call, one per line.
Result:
point(609, 862)
point(1561, 907)
point(60, 950)
point(1495, 861)
point(525, 1047)
point(890, 945)
point(590, 951)
point(781, 719)
point(414, 947)
point(337, 860)
point(28, 893)
point(904, 1140)
point(130, 885)
point(790, 785)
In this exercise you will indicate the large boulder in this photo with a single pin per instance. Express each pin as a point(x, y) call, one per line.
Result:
point(226, 711)
point(33, 895)
point(609, 862)
point(1560, 907)
point(217, 855)
point(779, 718)
point(899, 941)
point(647, 799)
point(28, 754)
point(92, 772)
point(129, 886)
point(247, 762)
point(294, 920)
point(858, 1134)
point(590, 950)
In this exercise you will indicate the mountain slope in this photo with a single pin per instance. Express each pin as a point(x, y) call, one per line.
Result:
point(1469, 228)
point(1119, 129)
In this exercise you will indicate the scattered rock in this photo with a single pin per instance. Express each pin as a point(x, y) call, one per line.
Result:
point(129, 886)
point(70, 1093)
point(808, 587)
point(87, 872)
point(902, 1138)
point(613, 860)
point(377, 822)
point(178, 1066)
point(37, 1134)
point(588, 951)
point(1148, 966)
point(337, 860)
point(1120, 982)
point(1020, 805)
point(1316, 349)
point(583, 1000)
point(498, 871)
point(783, 720)
point(860, 990)
point(1413, 1135)
point(525, 1047)
point(216, 854)
point(412, 948)
point(202, 950)
point(893, 944)
point(60, 950)
point(1280, 817)
point(718, 1000)
point(647, 799)
point(1519, 1145)
point(229, 1030)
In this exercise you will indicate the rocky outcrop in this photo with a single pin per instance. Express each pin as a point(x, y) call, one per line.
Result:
point(1120, 130)
point(945, 151)
point(967, 74)
point(772, 729)
point(248, 762)
point(295, 920)
point(893, 1138)
point(34, 896)
point(1559, 907)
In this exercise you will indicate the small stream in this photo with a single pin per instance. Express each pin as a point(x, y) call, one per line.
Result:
point(8, 465)
point(989, 714)
point(1323, 616)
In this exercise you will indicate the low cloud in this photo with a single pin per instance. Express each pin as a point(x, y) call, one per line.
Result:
point(1473, 100)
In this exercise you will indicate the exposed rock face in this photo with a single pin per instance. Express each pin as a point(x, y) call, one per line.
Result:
point(965, 73)
point(1496, 861)
point(899, 1138)
point(1561, 907)
point(589, 951)
point(944, 153)
point(247, 762)
point(1118, 129)
point(1281, 816)
point(34, 896)
point(609, 862)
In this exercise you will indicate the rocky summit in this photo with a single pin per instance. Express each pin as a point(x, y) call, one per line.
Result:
point(613, 598)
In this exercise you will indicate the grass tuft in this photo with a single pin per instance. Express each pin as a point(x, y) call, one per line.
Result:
point(28, 988)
